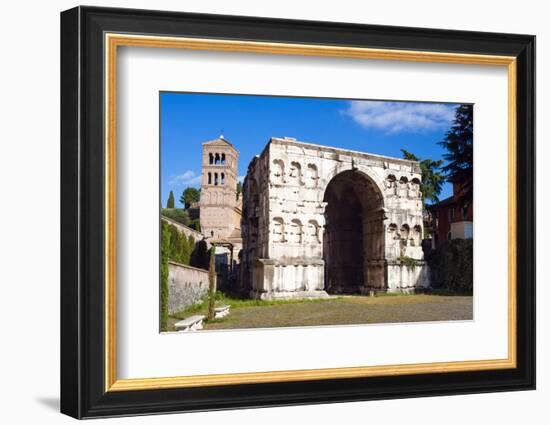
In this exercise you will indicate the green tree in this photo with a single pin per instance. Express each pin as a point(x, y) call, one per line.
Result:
point(174, 245)
point(170, 202)
point(164, 255)
point(179, 247)
point(185, 253)
point(184, 250)
point(432, 179)
point(189, 196)
point(459, 143)
point(199, 256)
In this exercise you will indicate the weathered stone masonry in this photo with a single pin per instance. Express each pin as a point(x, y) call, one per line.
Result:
point(320, 220)
point(186, 286)
point(220, 209)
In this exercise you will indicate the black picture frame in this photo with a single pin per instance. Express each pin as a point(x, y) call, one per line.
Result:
point(83, 392)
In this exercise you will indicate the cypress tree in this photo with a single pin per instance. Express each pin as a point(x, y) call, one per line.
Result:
point(185, 251)
point(190, 249)
point(460, 151)
point(170, 202)
point(175, 244)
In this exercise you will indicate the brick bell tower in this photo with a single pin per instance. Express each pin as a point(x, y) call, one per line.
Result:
point(219, 209)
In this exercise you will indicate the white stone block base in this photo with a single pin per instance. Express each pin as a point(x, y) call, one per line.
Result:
point(287, 295)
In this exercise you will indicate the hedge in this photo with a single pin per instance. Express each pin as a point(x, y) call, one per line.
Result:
point(451, 265)
point(164, 254)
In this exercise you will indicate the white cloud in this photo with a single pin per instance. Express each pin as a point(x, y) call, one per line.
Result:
point(394, 117)
point(186, 178)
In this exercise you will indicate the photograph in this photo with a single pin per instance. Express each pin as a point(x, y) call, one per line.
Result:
point(281, 212)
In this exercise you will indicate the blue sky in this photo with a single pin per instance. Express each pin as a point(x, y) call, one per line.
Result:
point(189, 119)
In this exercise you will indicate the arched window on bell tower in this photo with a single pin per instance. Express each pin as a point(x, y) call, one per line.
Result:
point(209, 178)
point(223, 178)
point(215, 179)
point(210, 158)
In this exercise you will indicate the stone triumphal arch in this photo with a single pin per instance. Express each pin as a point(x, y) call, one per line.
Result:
point(319, 220)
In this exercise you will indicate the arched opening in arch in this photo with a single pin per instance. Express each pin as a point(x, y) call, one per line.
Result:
point(210, 158)
point(414, 188)
point(278, 171)
point(295, 173)
point(403, 187)
point(313, 231)
point(295, 234)
point(278, 230)
point(405, 232)
point(405, 236)
point(312, 175)
point(391, 184)
point(217, 159)
point(353, 241)
point(417, 235)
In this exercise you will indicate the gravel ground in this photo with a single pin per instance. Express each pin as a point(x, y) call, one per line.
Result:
point(350, 310)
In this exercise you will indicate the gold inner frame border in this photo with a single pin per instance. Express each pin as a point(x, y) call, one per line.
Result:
point(112, 41)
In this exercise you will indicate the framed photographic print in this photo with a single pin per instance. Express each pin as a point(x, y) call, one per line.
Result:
point(261, 212)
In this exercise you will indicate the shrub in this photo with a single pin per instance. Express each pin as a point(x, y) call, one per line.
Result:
point(451, 265)
point(177, 214)
point(195, 224)
point(408, 262)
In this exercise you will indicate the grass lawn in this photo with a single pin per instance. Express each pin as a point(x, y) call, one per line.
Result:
point(344, 310)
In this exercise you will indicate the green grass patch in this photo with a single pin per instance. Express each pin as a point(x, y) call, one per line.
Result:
point(236, 303)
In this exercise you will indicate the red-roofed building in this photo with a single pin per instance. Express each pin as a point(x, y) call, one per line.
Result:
point(451, 218)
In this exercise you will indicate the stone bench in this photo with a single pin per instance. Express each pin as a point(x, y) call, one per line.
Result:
point(222, 311)
point(193, 323)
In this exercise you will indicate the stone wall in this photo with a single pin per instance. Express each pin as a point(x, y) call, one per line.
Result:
point(186, 286)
